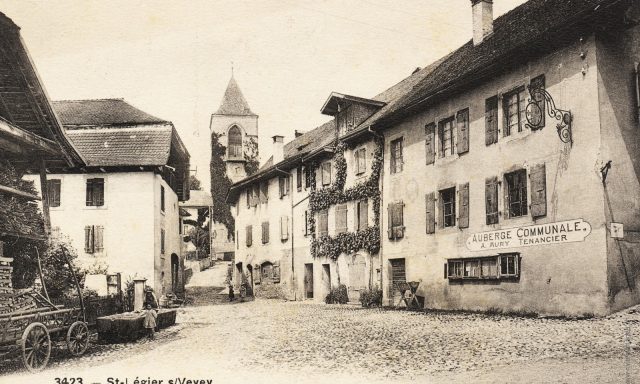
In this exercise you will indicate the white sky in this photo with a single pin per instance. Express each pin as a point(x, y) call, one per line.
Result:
point(172, 58)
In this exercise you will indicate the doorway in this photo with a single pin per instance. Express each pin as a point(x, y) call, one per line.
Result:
point(175, 277)
point(308, 281)
point(398, 275)
point(357, 272)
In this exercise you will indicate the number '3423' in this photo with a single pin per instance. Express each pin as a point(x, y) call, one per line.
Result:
point(68, 380)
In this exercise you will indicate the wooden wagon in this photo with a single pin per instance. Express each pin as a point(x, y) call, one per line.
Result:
point(30, 323)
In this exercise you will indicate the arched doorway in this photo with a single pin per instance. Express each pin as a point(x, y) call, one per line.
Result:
point(234, 150)
point(175, 269)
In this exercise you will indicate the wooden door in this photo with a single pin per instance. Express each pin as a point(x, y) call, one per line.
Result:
point(398, 275)
point(308, 281)
point(357, 272)
point(326, 278)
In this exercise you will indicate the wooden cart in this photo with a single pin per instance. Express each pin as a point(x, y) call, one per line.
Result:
point(33, 323)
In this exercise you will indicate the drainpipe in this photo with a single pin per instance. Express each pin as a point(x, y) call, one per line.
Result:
point(381, 186)
point(637, 76)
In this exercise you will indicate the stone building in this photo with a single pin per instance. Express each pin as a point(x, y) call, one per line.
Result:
point(509, 177)
point(120, 211)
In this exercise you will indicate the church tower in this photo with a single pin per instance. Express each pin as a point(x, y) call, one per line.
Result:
point(237, 127)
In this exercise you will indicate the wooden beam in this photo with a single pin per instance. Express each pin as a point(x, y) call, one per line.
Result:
point(44, 187)
point(27, 138)
point(18, 192)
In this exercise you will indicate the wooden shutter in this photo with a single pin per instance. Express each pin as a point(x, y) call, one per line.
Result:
point(265, 232)
point(362, 161)
point(491, 120)
point(341, 219)
point(98, 242)
point(392, 160)
point(390, 208)
point(430, 202)
point(491, 200)
point(281, 186)
point(284, 228)
point(88, 239)
point(398, 220)
point(249, 235)
point(463, 131)
point(98, 192)
point(538, 191)
point(89, 195)
point(162, 198)
point(463, 214)
point(299, 178)
point(248, 193)
point(363, 215)
point(326, 173)
point(430, 143)
point(323, 223)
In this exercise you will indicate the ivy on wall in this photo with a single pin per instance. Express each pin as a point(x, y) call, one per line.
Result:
point(220, 184)
point(347, 242)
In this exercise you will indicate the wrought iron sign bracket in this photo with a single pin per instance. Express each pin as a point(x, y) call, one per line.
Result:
point(541, 101)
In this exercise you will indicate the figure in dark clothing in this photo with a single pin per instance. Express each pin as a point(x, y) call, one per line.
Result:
point(231, 294)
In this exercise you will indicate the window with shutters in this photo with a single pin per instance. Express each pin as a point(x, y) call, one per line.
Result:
point(491, 200)
point(265, 232)
point(462, 131)
point(299, 178)
point(249, 235)
point(429, 143)
point(396, 161)
point(502, 266)
point(362, 214)
point(326, 173)
point(361, 160)
point(396, 220)
point(162, 203)
point(283, 182)
point(341, 218)
point(514, 106)
point(95, 192)
point(93, 239)
point(516, 193)
point(448, 207)
point(264, 192)
point(491, 120)
point(53, 192)
point(446, 137)
point(323, 223)
point(162, 239)
point(284, 228)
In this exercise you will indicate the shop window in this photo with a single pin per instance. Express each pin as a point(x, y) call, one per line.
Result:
point(503, 266)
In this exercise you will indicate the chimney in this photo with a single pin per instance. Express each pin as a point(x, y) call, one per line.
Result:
point(482, 11)
point(278, 149)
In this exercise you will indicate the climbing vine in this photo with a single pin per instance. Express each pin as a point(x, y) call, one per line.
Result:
point(347, 242)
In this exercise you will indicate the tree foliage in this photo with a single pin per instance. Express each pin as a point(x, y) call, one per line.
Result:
point(252, 163)
point(220, 184)
point(194, 183)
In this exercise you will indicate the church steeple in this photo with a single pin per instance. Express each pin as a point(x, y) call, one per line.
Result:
point(233, 102)
point(237, 128)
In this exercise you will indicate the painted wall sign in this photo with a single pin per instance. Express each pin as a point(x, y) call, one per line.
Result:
point(541, 234)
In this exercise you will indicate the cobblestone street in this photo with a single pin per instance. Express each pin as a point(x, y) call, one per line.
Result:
point(267, 339)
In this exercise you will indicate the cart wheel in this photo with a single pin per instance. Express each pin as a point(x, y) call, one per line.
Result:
point(36, 347)
point(78, 338)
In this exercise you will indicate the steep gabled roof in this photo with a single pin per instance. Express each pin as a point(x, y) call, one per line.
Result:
point(102, 112)
point(198, 199)
point(233, 102)
point(531, 29)
point(124, 146)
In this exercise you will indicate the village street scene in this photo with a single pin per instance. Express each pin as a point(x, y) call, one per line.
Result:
point(324, 192)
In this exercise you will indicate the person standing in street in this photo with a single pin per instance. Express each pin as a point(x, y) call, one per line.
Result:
point(150, 317)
